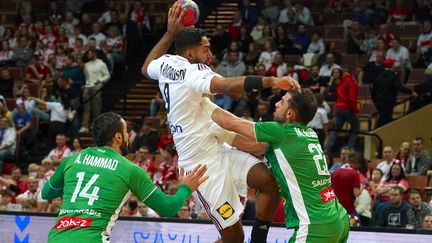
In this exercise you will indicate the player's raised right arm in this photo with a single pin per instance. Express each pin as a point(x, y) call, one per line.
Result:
point(175, 17)
point(247, 84)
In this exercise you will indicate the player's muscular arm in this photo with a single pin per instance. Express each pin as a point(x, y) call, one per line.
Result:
point(174, 26)
point(249, 146)
point(229, 121)
point(245, 84)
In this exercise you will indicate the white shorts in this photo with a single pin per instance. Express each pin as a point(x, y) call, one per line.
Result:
point(220, 194)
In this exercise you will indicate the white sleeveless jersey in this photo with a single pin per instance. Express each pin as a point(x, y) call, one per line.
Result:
point(182, 85)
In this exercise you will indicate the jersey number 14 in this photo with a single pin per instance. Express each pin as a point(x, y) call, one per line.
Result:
point(85, 191)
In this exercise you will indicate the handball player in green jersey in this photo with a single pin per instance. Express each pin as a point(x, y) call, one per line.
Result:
point(298, 164)
point(96, 182)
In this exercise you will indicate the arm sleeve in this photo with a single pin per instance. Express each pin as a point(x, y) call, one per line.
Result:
point(53, 106)
point(140, 183)
point(424, 165)
point(104, 71)
point(154, 68)
point(352, 96)
point(168, 205)
point(363, 202)
point(404, 184)
point(54, 186)
point(324, 117)
point(405, 54)
point(270, 132)
point(304, 17)
point(321, 48)
point(9, 138)
point(199, 77)
point(356, 180)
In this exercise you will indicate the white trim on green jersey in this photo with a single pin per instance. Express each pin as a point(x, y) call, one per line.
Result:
point(154, 189)
point(114, 217)
point(293, 187)
point(302, 233)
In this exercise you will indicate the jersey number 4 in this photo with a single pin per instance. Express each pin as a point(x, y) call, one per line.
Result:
point(319, 159)
point(85, 191)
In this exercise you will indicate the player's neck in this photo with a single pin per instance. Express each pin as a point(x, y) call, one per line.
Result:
point(114, 147)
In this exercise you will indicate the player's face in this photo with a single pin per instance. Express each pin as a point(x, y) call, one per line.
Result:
point(283, 113)
point(202, 53)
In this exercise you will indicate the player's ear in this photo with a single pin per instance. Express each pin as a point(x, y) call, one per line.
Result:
point(290, 114)
point(118, 136)
point(189, 54)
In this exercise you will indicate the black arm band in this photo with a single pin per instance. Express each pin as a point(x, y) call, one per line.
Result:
point(253, 83)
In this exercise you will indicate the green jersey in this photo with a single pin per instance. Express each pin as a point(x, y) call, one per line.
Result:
point(299, 166)
point(95, 183)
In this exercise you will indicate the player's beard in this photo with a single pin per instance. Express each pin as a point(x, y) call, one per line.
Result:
point(124, 148)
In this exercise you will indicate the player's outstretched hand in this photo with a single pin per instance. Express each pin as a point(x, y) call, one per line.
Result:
point(175, 19)
point(195, 178)
point(287, 83)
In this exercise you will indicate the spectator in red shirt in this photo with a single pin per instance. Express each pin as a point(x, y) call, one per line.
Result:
point(145, 160)
point(396, 178)
point(374, 182)
point(165, 139)
point(346, 110)
point(278, 67)
point(386, 34)
point(167, 170)
point(234, 28)
point(346, 183)
point(398, 13)
point(38, 72)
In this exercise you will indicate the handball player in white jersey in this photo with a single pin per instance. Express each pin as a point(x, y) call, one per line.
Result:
point(183, 79)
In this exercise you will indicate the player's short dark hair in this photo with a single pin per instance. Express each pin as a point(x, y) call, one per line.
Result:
point(105, 127)
point(305, 105)
point(187, 38)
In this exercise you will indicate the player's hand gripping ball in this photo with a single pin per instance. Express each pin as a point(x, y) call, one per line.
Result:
point(191, 10)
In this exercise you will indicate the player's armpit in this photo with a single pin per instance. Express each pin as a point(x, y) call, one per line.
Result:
point(226, 136)
point(249, 146)
point(227, 120)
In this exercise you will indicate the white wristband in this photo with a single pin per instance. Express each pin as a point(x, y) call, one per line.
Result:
point(208, 106)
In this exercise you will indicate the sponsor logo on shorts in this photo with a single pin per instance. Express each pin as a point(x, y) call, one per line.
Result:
point(226, 210)
point(327, 194)
point(70, 222)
